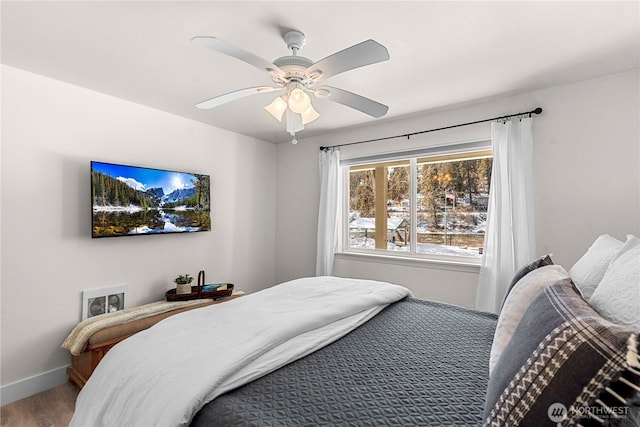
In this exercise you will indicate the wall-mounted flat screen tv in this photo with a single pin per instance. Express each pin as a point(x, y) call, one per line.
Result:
point(133, 200)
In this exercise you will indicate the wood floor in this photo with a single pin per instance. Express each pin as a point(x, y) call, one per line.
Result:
point(50, 408)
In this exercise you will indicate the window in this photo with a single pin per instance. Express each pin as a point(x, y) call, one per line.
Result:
point(431, 203)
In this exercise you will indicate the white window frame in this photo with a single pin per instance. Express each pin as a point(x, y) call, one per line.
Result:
point(412, 155)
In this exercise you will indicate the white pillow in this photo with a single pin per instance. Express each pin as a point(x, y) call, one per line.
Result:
point(517, 302)
point(617, 297)
point(589, 270)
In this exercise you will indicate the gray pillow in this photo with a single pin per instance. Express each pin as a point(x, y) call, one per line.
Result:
point(516, 304)
point(526, 269)
point(562, 363)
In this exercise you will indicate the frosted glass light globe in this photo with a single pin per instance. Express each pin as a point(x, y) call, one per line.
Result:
point(299, 101)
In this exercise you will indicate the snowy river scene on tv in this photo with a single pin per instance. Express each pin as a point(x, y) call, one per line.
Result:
point(130, 200)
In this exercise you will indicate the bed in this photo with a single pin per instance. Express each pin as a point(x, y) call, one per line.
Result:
point(334, 351)
point(415, 363)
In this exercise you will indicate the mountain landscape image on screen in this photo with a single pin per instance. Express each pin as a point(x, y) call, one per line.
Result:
point(130, 200)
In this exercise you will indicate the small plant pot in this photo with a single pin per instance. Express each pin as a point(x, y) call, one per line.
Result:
point(183, 289)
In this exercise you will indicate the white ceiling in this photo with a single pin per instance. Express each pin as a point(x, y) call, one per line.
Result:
point(442, 53)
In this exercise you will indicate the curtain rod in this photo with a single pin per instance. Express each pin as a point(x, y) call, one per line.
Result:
point(409, 135)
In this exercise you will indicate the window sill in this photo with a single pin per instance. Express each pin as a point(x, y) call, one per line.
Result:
point(465, 265)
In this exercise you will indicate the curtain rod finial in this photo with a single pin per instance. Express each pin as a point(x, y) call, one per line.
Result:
point(537, 110)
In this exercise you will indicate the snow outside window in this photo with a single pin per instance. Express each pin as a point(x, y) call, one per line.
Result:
point(426, 205)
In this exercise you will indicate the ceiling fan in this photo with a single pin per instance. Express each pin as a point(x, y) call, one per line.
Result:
point(298, 76)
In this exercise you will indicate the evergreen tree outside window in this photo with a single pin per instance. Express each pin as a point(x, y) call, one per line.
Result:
point(419, 206)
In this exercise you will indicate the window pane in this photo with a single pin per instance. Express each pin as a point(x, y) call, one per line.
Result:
point(452, 206)
point(362, 208)
point(365, 196)
point(398, 208)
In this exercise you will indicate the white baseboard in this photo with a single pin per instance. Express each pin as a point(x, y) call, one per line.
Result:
point(33, 385)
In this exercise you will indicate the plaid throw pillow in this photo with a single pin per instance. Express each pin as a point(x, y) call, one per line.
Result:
point(564, 365)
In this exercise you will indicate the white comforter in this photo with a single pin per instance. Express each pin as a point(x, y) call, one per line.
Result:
point(164, 375)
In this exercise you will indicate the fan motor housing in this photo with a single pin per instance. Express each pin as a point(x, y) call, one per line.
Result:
point(294, 66)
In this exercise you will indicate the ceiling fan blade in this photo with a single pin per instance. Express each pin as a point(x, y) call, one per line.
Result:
point(220, 45)
point(366, 53)
point(355, 101)
point(232, 96)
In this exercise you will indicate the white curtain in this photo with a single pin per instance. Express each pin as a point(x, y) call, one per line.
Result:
point(510, 238)
point(328, 211)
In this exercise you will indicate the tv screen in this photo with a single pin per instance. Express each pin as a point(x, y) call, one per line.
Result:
point(133, 200)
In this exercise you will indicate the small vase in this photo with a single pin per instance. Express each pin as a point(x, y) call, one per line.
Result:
point(183, 289)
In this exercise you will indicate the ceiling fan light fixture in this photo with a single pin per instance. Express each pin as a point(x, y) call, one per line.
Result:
point(297, 76)
point(299, 101)
point(309, 115)
point(277, 108)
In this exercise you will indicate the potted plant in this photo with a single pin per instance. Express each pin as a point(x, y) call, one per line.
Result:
point(183, 283)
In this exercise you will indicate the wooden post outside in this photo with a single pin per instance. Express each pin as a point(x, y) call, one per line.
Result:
point(381, 206)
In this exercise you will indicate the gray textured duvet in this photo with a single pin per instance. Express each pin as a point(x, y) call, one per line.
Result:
point(417, 363)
